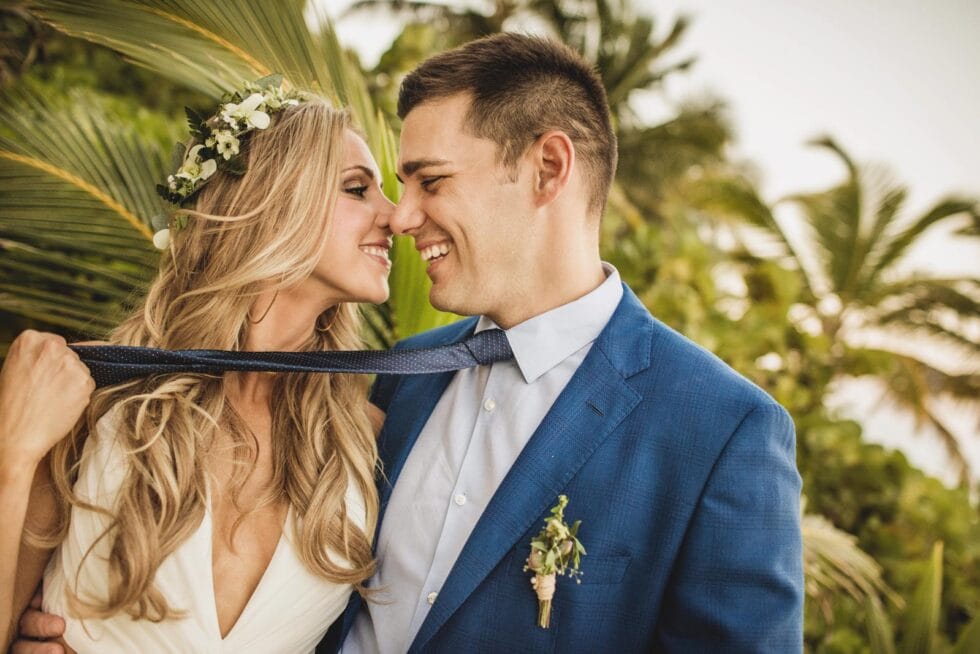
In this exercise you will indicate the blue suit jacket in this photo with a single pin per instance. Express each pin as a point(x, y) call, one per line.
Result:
point(684, 477)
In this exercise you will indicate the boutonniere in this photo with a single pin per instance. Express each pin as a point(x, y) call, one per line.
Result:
point(555, 551)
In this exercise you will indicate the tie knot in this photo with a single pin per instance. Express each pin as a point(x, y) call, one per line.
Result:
point(489, 346)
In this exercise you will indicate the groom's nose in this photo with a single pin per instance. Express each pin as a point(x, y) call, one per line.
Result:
point(407, 215)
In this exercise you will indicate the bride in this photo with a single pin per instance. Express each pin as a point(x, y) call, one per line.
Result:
point(191, 512)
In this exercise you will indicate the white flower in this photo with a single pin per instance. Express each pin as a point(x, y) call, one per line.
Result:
point(275, 99)
point(161, 240)
point(247, 111)
point(227, 144)
point(208, 168)
point(195, 169)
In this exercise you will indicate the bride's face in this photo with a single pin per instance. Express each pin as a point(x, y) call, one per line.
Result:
point(354, 263)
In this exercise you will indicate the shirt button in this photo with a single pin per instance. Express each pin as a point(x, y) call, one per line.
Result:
point(431, 598)
point(489, 405)
point(460, 499)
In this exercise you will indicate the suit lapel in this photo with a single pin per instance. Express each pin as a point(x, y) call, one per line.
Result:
point(594, 402)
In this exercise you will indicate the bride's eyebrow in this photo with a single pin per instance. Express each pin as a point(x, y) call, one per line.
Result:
point(364, 169)
point(367, 171)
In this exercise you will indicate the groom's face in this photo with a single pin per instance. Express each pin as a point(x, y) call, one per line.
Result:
point(470, 215)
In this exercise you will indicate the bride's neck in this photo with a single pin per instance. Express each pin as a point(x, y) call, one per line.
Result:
point(281, 322)
point(278, 322)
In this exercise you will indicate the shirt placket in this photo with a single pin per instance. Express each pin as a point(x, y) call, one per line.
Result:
point(465, 502)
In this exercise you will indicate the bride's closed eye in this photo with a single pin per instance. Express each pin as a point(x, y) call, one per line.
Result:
point(359, 190)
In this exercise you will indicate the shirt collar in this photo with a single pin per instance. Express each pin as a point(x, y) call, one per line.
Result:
point(542, 342)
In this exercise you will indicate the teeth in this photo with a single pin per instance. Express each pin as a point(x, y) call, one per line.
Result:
point(433, 251)
point(375, 250)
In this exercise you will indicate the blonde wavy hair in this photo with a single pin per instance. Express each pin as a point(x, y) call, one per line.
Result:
point(244, 236)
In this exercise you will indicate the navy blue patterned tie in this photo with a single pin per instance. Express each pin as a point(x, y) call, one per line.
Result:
point(114, 364)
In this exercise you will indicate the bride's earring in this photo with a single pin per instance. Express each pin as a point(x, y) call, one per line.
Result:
point(333, 319)
point(248, 314)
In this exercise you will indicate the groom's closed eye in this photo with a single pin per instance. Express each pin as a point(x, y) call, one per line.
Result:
point(430, 184)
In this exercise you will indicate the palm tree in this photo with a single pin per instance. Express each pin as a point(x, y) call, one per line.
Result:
point(849, 261)
point(76, 201)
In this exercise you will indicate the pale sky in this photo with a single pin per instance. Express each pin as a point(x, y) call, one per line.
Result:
point(896, 82)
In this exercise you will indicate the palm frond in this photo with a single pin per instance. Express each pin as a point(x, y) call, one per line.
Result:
point(881, 636)
point(943, 309)
point(923, 610)
point(76, 198)
point(872, 243)
point(75, 142)
point(652, 159)
point(834, 564)
point(736, 198)
point(833, 217)
point(911, 385)
point(899, 244)
point(211, 47)
point(159, 37)
point(850, 222)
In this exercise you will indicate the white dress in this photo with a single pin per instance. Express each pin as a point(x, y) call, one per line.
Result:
point(289, 611)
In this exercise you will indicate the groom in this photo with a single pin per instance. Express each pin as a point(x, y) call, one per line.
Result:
point(682, 472)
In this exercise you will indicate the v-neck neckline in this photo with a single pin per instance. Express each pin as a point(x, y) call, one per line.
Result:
point(280, 544)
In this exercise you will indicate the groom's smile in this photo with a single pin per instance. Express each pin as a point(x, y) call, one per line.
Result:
point(432, 252)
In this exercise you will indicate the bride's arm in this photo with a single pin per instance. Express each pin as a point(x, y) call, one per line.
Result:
point(44, 388)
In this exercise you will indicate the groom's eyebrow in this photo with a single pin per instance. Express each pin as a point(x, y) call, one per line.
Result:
point(409, 168)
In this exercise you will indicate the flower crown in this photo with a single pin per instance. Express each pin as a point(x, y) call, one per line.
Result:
point(217, 142)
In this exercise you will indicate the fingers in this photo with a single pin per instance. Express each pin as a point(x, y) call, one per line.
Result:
point(34, 647)
point(37, 624)
point(30, 339)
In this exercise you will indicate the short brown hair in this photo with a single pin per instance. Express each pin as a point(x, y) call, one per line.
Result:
point(521, 87)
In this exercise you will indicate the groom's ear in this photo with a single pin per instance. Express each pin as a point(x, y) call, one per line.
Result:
point(553, 158)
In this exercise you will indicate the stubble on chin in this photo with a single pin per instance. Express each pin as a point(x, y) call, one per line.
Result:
point(449, 300)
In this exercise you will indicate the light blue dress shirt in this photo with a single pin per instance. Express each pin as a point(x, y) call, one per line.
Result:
point(471, 440)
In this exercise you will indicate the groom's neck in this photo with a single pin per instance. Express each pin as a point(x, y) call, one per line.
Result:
point(553, 282)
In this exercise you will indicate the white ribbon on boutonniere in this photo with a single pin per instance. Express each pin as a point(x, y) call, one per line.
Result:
point(554, 551)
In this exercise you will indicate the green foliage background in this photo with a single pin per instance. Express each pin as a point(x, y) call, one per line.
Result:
point(93, 93)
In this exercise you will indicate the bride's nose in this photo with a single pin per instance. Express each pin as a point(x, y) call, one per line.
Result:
point(382, 216)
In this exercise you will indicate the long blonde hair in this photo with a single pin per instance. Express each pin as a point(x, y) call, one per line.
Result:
point(244, 236)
